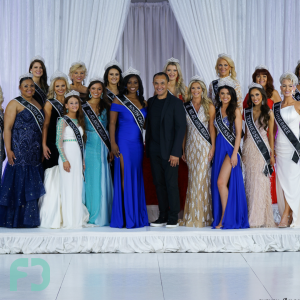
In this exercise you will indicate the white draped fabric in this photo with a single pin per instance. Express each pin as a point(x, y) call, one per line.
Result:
point(62, 31)
point(254, 32)
point(150, 37)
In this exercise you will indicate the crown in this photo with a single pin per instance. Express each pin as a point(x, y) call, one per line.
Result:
point(96, 78)
point(37, 57)
point(112, 63)
point(290, 74)
point(227, 81)
point(72, 93)
point(172, 59)
point(26, 75)
point(259, 67)
point(253, 84)
point(224, 55)
point(197, 77)
point(78, 62)
point(57, 74)
point(131, 71)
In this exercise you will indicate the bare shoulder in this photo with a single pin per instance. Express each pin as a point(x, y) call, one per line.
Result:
point(212, 108)
point(238, 112)
point(13, 104)
point(48, 106)
point(117, 101)
point(297, 106)
point(276, 97)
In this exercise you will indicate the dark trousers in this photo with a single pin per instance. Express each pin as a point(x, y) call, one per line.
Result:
point(165, 179)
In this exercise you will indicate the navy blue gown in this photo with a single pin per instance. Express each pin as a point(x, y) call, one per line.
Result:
point(236, 212)
point(22, 183)
point(130, 211)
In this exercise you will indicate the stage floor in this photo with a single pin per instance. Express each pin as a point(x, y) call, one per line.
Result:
point(147, 240)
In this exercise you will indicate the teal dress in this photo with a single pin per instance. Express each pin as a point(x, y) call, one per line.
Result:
point(98, 180)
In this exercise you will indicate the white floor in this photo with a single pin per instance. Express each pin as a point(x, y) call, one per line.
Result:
point(159, 276)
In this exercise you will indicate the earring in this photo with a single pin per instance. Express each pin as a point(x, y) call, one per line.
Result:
point(83, 82)
point(101, 96)
point(90, 96)
point(138, 92)
point(67, 110)
point(31, 72)
point(72, 82)
point(54, 95)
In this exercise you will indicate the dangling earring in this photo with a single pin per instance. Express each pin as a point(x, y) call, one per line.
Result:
point(101, 96)
point(54, 95)
point(90, 96)
point(31, 72)
point(138, 92)
point(67, 110)
point(83, 82)
point(72, 82)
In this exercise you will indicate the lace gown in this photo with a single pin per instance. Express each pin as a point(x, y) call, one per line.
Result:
point(238, 90)
point(257, 185)
point(22, 183)
point(74, 213)
point(288, 172)
point(198, 205)
point(98, 181)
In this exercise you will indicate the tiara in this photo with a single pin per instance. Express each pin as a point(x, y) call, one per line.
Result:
point(37, 57)
point(259, 67)
point(294, 77)
point(57, 74)
point(131, 71)
point(197, 77)
point(72, 93)
point(226, 82)
point(253, 84)
point(172, 59)
point(78, 62)
point(96, 78)
point(112, 63)
point(26, 75)
point(224, 55)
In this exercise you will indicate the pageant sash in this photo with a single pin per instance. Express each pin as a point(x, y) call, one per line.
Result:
point(137, 114)
point(297, 95)
point(37, 114)
point(41, 93)
point(215, 86)
point(193, 116)
point(227, 134)
point(258, 141)
point(98, 126)
point(110, 94)
point(1, 124)
point(57, 105)
point(77, 134)
point(287, 131)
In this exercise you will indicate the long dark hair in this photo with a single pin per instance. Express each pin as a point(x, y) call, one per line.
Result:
point(79, 114)
point(43, 79)
point(120, 83)
point(264, 109)
point(104, 102)
point(230, 110)
point(124, 90)
point(270, 82)
point(297, 70)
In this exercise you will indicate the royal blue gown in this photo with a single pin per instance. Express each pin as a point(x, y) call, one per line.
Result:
point(98, 181)
point(236, 212)
point(129, 211)
point(22, 183)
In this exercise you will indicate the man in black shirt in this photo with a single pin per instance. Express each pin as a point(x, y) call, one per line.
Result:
point(165, 129)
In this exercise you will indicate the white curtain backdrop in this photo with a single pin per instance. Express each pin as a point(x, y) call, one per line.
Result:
point(150, 37)
point(62, 31)
point(253, 31)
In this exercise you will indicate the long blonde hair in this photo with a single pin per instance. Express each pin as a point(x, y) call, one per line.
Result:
point(76, 67)
point(1, 99)
point(52, 84)
point(231, 64)
point(180, 86)
point(205, 101)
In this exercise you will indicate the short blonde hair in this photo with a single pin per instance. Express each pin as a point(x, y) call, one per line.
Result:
point(231, 64)
point(1, 99)
point(51, 88)
point(205, 102)
point(289, 76)
point(76, 67)
point(180, 86)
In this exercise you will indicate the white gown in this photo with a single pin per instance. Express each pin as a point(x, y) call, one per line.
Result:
point(74, 213)
point(288, 172)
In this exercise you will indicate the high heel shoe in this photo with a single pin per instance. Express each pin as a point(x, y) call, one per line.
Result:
point(283, 225)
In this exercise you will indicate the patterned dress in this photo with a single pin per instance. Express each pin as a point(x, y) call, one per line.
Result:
point(257, 185)
point(198, 205)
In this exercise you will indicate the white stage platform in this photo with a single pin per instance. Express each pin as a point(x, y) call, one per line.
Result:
point(147, 240)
